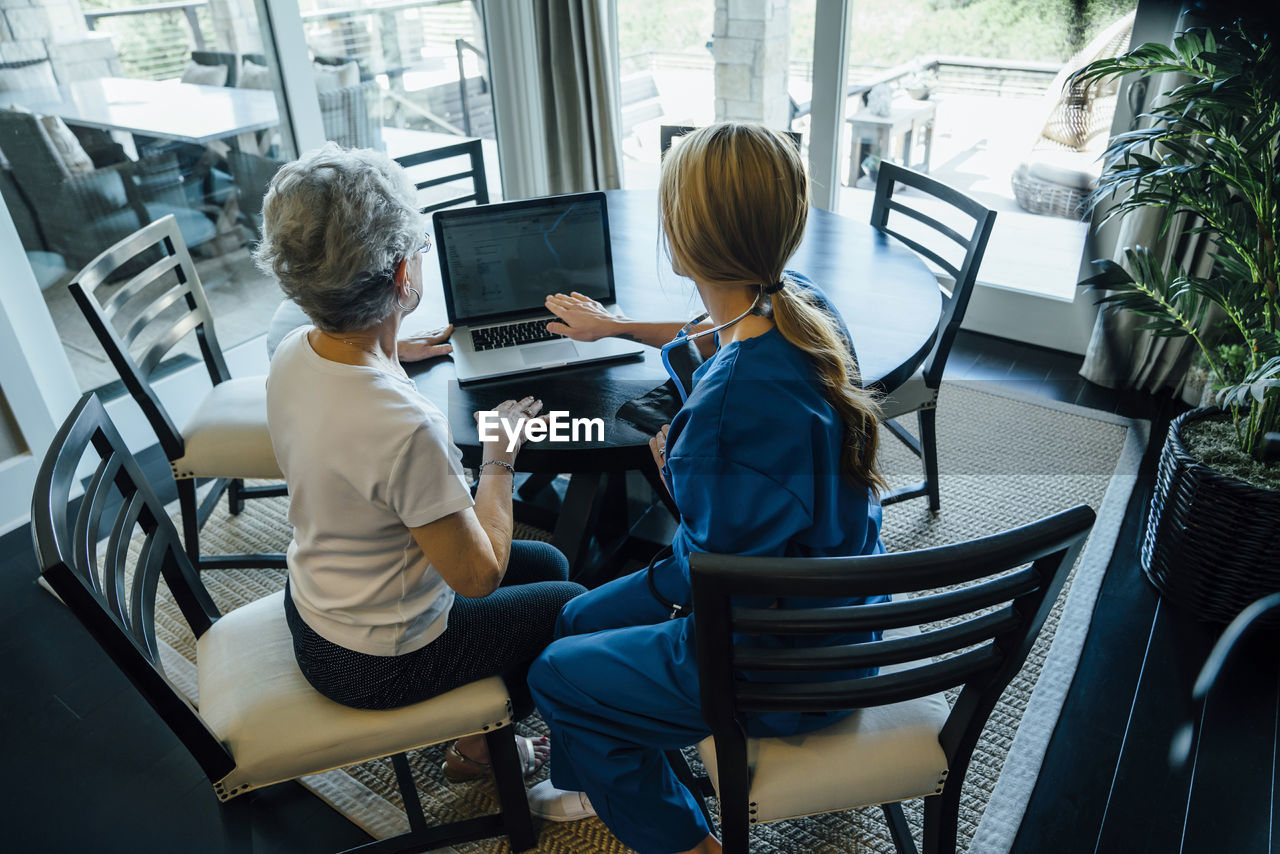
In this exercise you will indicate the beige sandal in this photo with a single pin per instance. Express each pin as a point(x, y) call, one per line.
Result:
point(524, 747)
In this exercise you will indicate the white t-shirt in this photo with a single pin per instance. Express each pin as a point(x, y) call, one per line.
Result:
point(366, 457)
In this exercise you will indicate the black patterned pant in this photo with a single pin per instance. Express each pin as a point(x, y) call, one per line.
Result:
point(498, 635)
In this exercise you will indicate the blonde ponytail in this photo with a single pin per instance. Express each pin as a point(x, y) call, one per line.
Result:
point(807, 325)
point(733, 200)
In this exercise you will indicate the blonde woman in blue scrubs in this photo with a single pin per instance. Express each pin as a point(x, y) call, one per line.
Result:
point(773, 453)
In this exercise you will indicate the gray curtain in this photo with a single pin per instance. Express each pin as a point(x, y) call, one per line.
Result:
point(1122, 356)
point(577, 54)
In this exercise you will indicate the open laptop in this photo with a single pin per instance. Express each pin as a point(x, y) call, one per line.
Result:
point(499, 262)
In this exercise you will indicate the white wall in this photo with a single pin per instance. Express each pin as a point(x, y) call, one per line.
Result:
point(35, 375)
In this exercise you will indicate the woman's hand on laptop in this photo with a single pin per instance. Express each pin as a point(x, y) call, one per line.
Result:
point(581, 317)
point(418, 347)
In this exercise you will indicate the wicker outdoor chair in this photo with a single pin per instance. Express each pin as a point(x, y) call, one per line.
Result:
point(1064, 164)
point(81, 214)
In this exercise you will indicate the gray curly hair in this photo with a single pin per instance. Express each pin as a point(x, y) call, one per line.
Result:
point(335, 224)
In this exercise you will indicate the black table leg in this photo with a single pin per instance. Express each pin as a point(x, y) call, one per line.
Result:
point(578, 512)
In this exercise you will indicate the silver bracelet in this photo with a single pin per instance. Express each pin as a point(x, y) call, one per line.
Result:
point(506, 466)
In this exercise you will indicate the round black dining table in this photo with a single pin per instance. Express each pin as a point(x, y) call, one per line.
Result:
point(888, 298)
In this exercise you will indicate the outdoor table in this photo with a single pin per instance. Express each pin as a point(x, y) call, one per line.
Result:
point(183, 112)
point(887, 296)
point(906, 121)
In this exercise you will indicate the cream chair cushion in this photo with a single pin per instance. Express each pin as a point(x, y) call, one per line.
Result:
point(277, 727)
point(908, 397)
point(227, 436)
point(876, 755)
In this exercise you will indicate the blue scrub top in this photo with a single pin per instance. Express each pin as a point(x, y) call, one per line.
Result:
point(753, 463)
point(753, 458)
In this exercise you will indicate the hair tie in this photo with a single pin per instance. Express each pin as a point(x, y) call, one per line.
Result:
point(774, 288)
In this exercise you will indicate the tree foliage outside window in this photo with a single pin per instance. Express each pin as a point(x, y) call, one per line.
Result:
point(152, 46)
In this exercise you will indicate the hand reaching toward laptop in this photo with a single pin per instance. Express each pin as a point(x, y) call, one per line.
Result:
point(416, 348)
point(581, 317)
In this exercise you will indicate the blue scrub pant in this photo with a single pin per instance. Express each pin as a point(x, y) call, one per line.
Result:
point(617, 688)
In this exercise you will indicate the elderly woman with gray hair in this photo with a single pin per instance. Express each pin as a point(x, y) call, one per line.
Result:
point(401, 585)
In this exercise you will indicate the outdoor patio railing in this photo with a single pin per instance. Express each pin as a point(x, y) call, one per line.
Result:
point(158, 46)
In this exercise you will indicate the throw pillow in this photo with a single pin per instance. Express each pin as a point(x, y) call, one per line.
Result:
point(205, 75)
point(254, 76)
point(66, 146)
point(335, 76)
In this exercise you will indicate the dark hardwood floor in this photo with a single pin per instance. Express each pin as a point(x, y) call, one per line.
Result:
point(89, 767)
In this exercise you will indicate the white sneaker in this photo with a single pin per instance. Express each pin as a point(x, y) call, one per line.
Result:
point(546, 801)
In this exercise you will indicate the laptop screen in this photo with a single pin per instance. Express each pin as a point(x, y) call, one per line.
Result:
point(504, 259)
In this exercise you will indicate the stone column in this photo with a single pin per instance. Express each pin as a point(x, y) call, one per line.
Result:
point(751, 51)
point(56, 30)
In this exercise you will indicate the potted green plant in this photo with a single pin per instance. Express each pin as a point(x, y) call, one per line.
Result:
point(1208, 150)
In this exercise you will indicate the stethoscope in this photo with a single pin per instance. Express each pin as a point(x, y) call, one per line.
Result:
point(676, 610)
point(683, 337)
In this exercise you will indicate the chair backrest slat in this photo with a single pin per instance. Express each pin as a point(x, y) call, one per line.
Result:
point(117, 555)
point(998, 593)
point(84, 541)
point(885, 615)
point(471, 149)
point(949, 268)
point(142, 600)
point(896, 687)
point(120, 612)
point(117, 301)
point(156, 351)
point(938, 226)
point(450, 203)
point(153, 310)
point(956, 300)
point(855, 656)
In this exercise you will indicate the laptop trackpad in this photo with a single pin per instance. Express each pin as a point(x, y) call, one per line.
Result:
point(552, 351)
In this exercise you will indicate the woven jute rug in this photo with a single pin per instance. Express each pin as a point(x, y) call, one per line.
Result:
point(1006, 460)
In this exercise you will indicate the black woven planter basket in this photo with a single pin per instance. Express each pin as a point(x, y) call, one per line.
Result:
point(1213, 541)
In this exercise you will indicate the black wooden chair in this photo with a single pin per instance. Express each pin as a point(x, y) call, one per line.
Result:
point(903, 741)
point(138, 323)
point(472, 150)
point(1260, 614)
point(960, 262)
point(256, 721)
point(668, 133)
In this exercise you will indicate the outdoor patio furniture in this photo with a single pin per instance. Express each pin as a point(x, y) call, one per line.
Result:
point(1065, 159)
point(80, 213)
point(251, 174)
point(219, 57)
point(908, 122)
point(352, 115)
point(641, 101)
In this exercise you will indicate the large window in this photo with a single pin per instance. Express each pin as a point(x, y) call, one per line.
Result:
point(973, 93)
point(404, 77)
point(114, 114)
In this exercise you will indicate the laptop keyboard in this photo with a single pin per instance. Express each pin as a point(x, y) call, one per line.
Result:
point(512, 334)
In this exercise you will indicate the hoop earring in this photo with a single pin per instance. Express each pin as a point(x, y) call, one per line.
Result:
point(416, 302)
